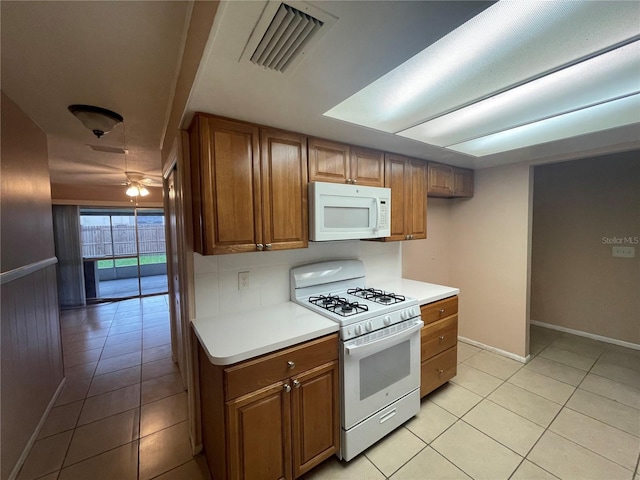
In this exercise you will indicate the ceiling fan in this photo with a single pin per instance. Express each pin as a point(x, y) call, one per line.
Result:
point(137, 183)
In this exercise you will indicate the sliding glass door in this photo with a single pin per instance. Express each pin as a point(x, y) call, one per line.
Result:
point(123, 252)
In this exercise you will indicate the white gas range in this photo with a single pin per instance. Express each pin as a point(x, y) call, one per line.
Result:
point(380, 348)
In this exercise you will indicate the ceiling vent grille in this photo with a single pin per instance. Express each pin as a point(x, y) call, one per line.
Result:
point(289, 31)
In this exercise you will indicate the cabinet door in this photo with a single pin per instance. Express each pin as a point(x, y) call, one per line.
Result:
point(328, 161)
point(315, 417)
point(462, 182)
point(395, 178)
point(367, 167)
point(440, 182)
point(416, 207)
point(229, 181)
point(258, 433)
point(284, 190)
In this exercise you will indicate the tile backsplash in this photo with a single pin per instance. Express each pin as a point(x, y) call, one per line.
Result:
point(216, 276)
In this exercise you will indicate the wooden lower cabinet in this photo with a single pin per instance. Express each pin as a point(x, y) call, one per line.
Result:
point(438, 344)
point(277, 431)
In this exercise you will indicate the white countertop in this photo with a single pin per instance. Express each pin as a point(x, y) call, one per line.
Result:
point(424, 292)
point(234, 337)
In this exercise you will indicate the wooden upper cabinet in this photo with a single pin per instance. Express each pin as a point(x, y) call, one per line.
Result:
point(328, 161)
point(367, 167)
point(407, 179)
point(340, 163)
point(447, 181)
point(284, 189)
point(417, 174)
point(225, 178)
point(440, 180)
point(249, 187)
point(462, 182)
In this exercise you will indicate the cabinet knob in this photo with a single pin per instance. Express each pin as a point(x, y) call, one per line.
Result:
point(296, 383)
point(441, 337)
point(406, 237)
point(268, 246)
point(442, 311)
point(349, 180)
point(286, 387)
point(354, 181)
point(291, 365)
point(440, 371)
point(411, 237)
point(259, 246)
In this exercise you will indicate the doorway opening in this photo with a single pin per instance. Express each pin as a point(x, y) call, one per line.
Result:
point(123, 253)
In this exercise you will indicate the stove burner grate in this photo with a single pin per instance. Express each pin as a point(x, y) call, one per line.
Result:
point(338, 305)
point(375, 295)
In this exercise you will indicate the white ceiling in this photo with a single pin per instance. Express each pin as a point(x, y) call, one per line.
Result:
point(124, 56)
point(118, 55)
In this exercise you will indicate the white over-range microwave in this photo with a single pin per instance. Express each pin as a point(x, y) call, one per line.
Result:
point(347, 212)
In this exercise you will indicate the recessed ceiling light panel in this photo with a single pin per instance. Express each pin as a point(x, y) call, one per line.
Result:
point(617, 113)
point(506, 45)
point(609, 76)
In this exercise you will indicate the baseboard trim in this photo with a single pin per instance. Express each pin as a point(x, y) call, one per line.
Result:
point(580, 333)
point(27, 449)
point(504, 353)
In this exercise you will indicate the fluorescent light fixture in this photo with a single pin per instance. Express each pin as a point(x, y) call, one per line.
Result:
point(515, 63)
point(609, 76)
point(616, 113)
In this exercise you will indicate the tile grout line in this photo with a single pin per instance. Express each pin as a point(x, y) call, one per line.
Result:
point(569, 408)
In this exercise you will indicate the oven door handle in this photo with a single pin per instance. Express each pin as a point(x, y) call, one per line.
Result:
point(359, 350)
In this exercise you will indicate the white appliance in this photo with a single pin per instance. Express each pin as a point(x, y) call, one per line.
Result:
point(380, 349)
point(347, 212)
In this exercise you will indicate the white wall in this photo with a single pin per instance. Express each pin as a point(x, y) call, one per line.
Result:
point(481, 246)
point(216, 276)
point(429, 260)
point(576, 282)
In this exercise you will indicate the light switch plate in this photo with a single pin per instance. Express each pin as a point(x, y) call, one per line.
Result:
point(624, 252)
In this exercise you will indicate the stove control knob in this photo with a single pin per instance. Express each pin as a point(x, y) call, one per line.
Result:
point(404, 315)
point(387, 320)
point(369, 326)
point(358, 330)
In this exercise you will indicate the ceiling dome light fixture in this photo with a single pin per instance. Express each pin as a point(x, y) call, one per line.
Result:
point(97, 119)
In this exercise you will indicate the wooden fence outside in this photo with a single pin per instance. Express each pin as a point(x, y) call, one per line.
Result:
point(96, 240)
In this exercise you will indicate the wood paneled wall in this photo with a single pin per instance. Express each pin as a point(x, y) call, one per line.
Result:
point(31, 359)
point(31, 368)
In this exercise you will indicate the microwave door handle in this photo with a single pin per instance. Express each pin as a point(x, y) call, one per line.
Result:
point(361, 350)
point(378, 214)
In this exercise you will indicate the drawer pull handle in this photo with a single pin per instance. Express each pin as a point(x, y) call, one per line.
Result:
point(287, 387)
point(440, 371)
point(442, 310)
point(296, 383)
point(441, 337)
point(291, 365)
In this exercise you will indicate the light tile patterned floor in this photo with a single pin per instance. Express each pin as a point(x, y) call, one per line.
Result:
point(123, 411)
point(573, 412)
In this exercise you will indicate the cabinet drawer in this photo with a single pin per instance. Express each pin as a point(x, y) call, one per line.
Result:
point(438, 336)
point(438, 310)
point(253, 374)
point(438, 370)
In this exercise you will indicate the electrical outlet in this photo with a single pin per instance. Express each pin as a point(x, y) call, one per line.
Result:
point(243, 280)
point(624, 252)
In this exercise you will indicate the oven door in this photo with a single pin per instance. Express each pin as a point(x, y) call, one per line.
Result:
point(378, 369)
